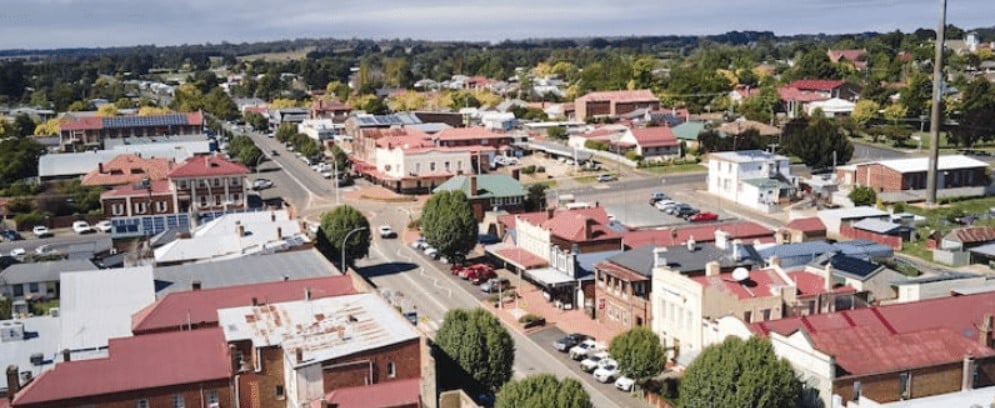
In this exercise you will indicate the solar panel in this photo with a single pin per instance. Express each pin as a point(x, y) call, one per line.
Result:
point(853, 266)
point(144, 121)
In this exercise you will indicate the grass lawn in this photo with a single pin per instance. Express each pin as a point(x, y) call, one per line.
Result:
point(918, 249)
point(547, 183)
point(941, 220)
point(41, 308)
point(586, 179)
point(676, 168)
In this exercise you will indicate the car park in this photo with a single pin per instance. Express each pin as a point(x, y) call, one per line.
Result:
point(41, 231)
point(82, 227)
point(703, 216)
point(604, 178)
point(386, 232)
point(11, 235)
point(594, 361)
point(580, 351)
point(677, 209)
point(625, 383)
point(606, 371)
point(495, 285)
point(104, 226)
point(567, 342)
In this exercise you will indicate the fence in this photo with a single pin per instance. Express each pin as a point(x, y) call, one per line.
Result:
point(889, 240)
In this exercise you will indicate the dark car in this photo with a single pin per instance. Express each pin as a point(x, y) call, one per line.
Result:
point(685, 212)
point(572, 339)
point(11, 235)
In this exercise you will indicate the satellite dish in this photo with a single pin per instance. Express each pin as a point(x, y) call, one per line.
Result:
point(740, 274)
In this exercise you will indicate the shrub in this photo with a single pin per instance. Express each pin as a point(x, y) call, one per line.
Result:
point(508, 294)
point(596, 145)
point(898, 207)
point(862, 195)
point(633, 155)
point(540, 169)
point(531, 320)
point(530, 169)
point(29, 219)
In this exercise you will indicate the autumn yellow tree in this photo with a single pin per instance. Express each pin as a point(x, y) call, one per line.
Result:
point(283, 103)
point(48, 127)
point(152, 111)
point(487, 98)
point(407, 101)
point(864, 111)
point(107, 110)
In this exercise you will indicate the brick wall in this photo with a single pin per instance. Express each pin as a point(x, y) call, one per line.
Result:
point(353, 370)
point(889, 240)
point(194, 395)
point(878, 177)
point(927, 381)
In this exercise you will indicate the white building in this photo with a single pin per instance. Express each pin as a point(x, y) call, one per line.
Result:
point(233, 236)
point(320, 129)
point(418, 167)
point(831, 108)
point(97, 305)
point(752, 178)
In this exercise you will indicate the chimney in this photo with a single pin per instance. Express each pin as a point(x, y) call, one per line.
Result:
point(286, 278)
point(13, 381)
point(967, 373)
point(550, 212)
point(241, 230)
point(774, 262)
point(828, 275)
point(279, 233)
point(195, 285)
point(299, 353)
point(721, 239)
point(588, 233)
point(473, 185)
point(255, 301)
point(66, 355)
point(100, 168)
point(713, 268)
point(659, 257)
point(307, 293)
point(985, 331)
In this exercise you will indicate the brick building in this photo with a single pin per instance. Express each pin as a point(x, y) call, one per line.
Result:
point(954, 171)
point(84, 130)
point(128, 169)
point(488, 192)
point(337, 111)
point(178, 369)
point(614, 103)
point(299, 353)
point(472, 136)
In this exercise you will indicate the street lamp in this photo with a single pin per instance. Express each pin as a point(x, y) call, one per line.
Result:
point(346, 238)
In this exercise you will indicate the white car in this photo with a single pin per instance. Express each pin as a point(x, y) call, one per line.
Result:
point(419, 243)
point(82, 227)
point(386, 232)
point(663, 204)
point(625, 383)
point(432, 252)
point(607, 372)
point(579, 352)
point(326, 174)
point(18, 252)
point(42, 250)
point(41, 231)
point(594, 361)
point(104, 226)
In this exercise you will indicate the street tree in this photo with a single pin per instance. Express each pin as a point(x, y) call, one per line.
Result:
point(557, 133)
point(976, 119)
point(862, 195)
point(339, 222)
point(535, 197)
point(256, 120)
point(285, 132)
point(738, 373)
point(543, 390)
point(820, 144)
point(448, 224)
point(477, 341)
point(864, 111)
point(639, 353)
point(340, 158)
point(245, 150)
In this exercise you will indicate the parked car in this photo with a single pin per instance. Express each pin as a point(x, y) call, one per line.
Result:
point(432, 252)
point(606, 372)
point(11, 235)
point(703, 216)
point(687, 212)
point(412, 317)
point(41, 231)
point(327, 174)
point(479, 276)
point(495, 285)
point(664, 204)
point(579, 352)
point(42, 249)
point(261, 184)
point(675, 208)
point(419, 243)
point(657, 196)
point(82, 227)
point(572, 339)
point(594, 361)
point(625, 383)
point(104, 226)
point(604, 178)
point(18, 252)
point(386, 232)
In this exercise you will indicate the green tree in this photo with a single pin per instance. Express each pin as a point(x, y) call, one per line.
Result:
point(557, 133)
point(861, 195)
point(639, 353)
point(976, 117)
point(864, 111)
point(535, 197)
point(18, 159)
point(448, 224)
point(477, 341)
point(737, 373)
point(762, 106)
point(340, 158)
point(285, 132)
point(916, 95)
point(339, 222)
point(219, 104)
point(245, 150)
point(817, 142)
point(543, 390)
point(23, 125)
point(257, 121)
point(814, 64)
point(77, 106)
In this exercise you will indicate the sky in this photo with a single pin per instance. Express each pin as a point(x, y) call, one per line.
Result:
point(44, 24)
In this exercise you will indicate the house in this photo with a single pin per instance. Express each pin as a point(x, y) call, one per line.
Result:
point(648, 142)
point(198, 308)
point(803, 229)
point(613, 103)
point(874, 283)
point(746, 231)
point(622, 289)
point(249, 270)
point(502, 121)
point(472, 136)
point(128, 169)
point(287, 115)
point(337, 111)
point(688, 132)
point(208, 183)
point(408, 161)
point(950, 283)
point(836, 219)
point(38, 280)
point(97, 305)
point(796, 95)
point(856, 58)
point(905, 179)
point(138, 199)
point(298, 352)
point(831, 108)
point(183, 368)
point(889, 353)
point(752, 178)
point(880, 231)
point(740, 93)
point(488, 192)
point(65, 166)
point(83, 130)
point(234, 235)
point(358, 122)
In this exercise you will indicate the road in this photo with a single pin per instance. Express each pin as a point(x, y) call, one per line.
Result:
point(63, 240)
point(863, 152)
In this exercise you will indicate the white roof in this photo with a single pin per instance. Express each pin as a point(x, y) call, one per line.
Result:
point(746, 156)
point(326, 328)
point(18, 352)
point(97, 305)
point(69, 164)
point(920, 164)
point(848, 213)
point(834, 105)
point(220, 239)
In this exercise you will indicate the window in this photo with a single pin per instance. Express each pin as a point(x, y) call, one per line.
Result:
point(178, 401)
point(447, 166)
point(234, 181)
point(142, 403)
point(117, 209)
point(212, 397)
point(141, 208)
point(217, 200)
point(431, 166)
point(18, 290)
point(203, 183)
point(766, 313)
point(33, 287)
point(391, 370)
point(279, 392)
point(182, 184)
point(160, 206)
point(904, 386)
point(217, 182)
point(856, 391)
point(236, 198)
point(748, 317)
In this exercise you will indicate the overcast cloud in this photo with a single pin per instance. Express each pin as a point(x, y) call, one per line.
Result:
point(99, 23)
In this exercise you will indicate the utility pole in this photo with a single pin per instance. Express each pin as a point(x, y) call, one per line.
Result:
point(934, 117)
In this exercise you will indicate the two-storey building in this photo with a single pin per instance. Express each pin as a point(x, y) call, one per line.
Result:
point(752, 178)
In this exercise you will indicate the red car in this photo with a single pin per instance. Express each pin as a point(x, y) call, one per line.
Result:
point(704, 216)
point(478, 276)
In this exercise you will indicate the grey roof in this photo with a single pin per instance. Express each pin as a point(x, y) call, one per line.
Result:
point(945, 276)
point(396, 119)
point(558, 149)
point(114, 144)
point(805, 252)
point(242, 271)
point(865, 249)
point(42, 271)
point(847, 266)
point(76, 164)
point(986, 250)
point(46, 333)
point(877, 226)
point(680, 259)
point(433, 127)
point(587, 261)
point(639, 260)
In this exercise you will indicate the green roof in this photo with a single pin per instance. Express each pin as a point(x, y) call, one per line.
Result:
point(768, 183)
point(688, 130)
point(488, 186)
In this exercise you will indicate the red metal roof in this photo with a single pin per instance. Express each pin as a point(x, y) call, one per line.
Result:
point(849, 55)
point(206, 166)
point(824, 85)
point(470, 133)
point(744, 230)
point(810, 224)
point(974, 234)
point(655, 136)
point(521, 257)
point(390, 394)
point(333, 106)
point(200, 307)
point(159, 187)
point(135, 364)
point(866, 350)
point(810, 284)
point(83, 123)
point(642, 95)
point(128, 168)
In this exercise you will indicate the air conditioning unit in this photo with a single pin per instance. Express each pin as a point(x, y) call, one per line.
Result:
point(214, 405)
point(54, 312)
